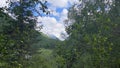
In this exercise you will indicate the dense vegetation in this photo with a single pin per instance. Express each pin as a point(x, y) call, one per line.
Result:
point(93, 42)
point(94, 36)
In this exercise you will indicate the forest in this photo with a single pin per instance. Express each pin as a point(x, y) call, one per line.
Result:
point(93, 40)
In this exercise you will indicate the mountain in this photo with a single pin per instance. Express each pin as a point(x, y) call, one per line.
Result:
point(53, 37)
point(46, 41)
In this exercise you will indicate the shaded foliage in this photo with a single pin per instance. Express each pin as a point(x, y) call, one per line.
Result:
point(17, 33)
point(92, 40)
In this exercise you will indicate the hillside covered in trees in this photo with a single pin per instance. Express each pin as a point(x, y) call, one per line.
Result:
point(93, 40)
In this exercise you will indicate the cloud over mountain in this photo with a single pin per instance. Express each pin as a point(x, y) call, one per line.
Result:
point(53, 24)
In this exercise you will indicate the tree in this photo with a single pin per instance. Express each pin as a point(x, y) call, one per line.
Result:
point(17, 32)
point(91, 40)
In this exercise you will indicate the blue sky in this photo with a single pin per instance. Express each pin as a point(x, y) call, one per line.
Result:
point(53, 24)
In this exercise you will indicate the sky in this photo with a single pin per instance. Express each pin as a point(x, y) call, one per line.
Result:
point(53, 24)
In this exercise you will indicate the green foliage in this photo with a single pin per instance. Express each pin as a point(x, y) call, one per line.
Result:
point(17, 33)
point(43, 59)
point(92, 40)
point(46, 42)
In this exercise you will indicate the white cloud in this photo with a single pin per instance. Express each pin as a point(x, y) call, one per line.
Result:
point(61, 3)
point(54, 3)
point(51, 26)
point(73, 1)
point(63, 15)
point(3, 3)
point(58, 3)
point(54, 13)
